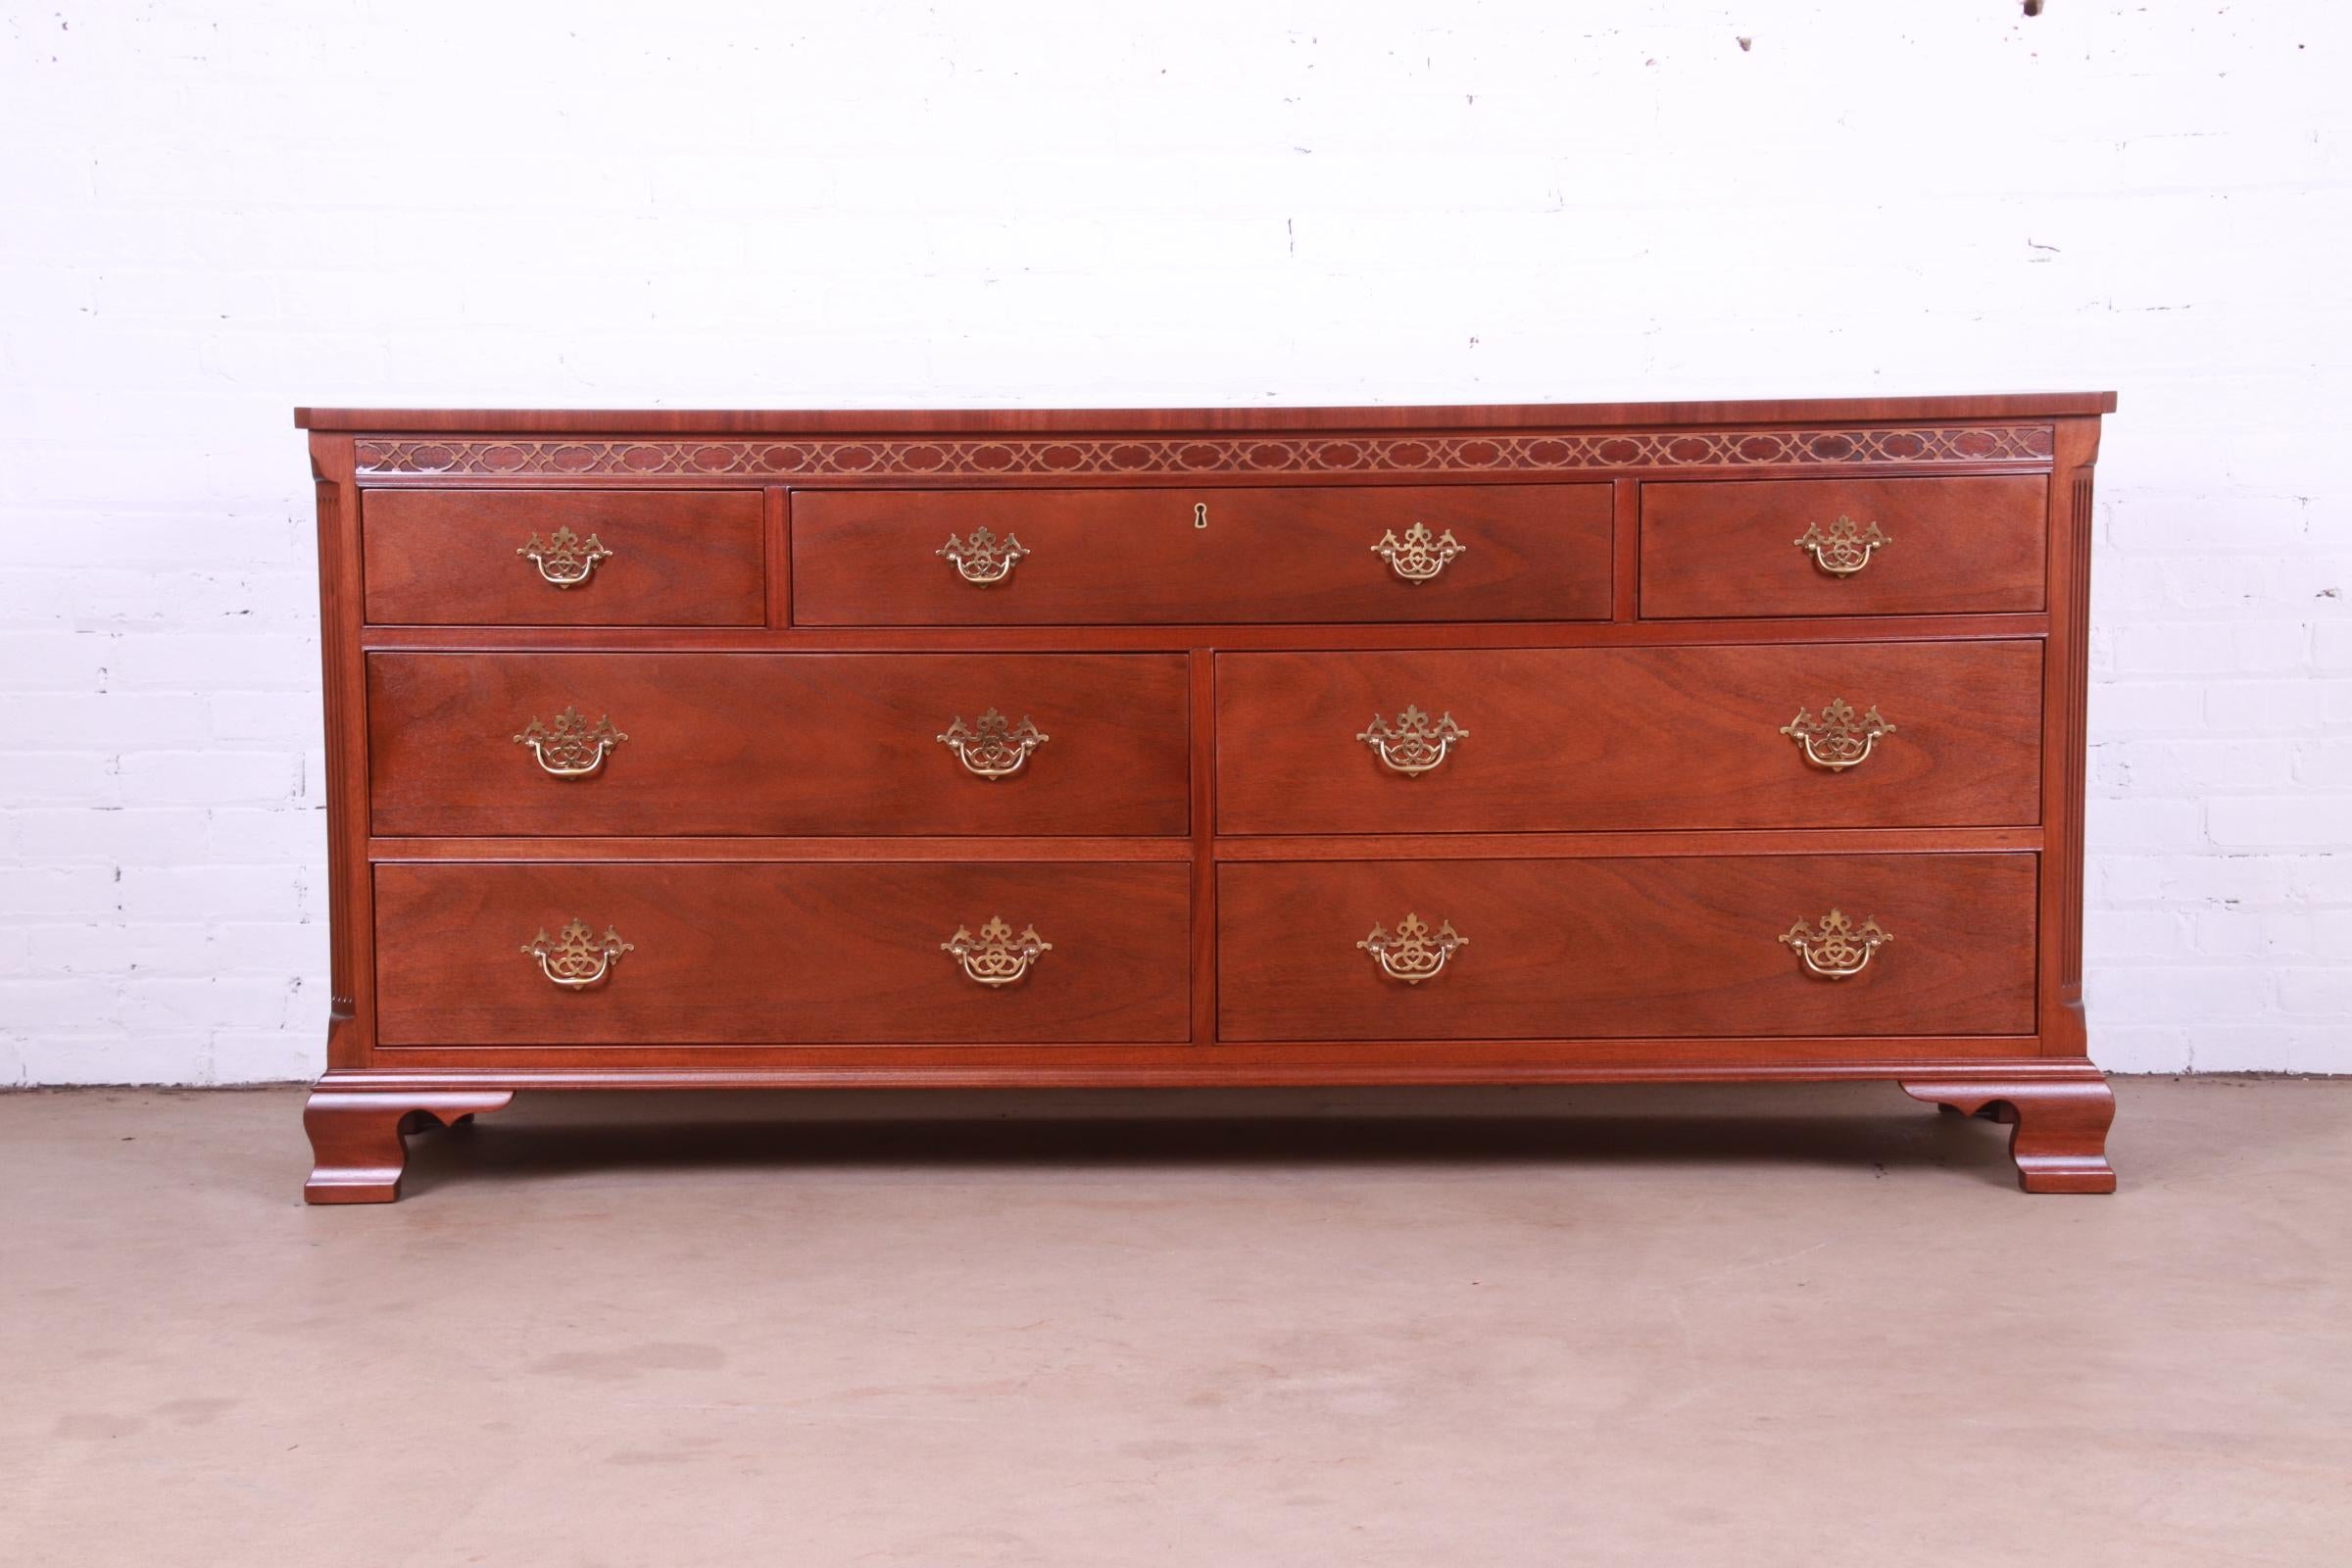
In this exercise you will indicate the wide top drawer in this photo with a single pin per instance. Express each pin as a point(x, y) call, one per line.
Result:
point(1844, 547)
point(1081, 556)
point(563, 557)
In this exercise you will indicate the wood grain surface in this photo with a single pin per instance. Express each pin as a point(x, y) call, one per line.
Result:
point(1684, 947)
point(784, 744)
point(1278, 553)
point(1954, 545)
point(680, 557)
point(1665, 738)
point(782, 953)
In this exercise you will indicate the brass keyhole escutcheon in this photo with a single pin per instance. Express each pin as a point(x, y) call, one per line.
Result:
point(1200, 513)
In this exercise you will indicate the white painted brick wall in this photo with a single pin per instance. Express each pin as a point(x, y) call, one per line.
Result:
point(210, 213)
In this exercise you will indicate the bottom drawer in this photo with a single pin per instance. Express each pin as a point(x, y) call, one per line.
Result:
point(1579, 949)
point(746, 953)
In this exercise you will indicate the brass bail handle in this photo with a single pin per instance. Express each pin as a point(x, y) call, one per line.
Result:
point(1413, 953)
point(574, 960)
point(993, 747)
point(565, 560)
point(996, 956)
point(1839, 739)
point(1836, 949)
point(983, 558)
point(1415, 744)
point(570, 747)
point(1419, 556)
point(1841, 548)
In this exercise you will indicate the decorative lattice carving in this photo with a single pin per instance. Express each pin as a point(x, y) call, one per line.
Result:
point(1048, 456)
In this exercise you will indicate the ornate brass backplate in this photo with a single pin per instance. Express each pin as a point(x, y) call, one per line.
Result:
point(570, 747)
point(565, 559)
point(1836, 740)
point(1414, 744)
point(574, 960)
point(1418, 556)
point(983, 558)
point(1844, 547)
point(1836, 949)
point(1414, 954)
point(992, 746)
point(996, 956)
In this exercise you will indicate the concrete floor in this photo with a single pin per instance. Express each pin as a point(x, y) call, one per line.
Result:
point(1743, 1326)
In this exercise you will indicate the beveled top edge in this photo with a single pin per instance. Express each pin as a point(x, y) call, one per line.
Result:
point(1010, 421)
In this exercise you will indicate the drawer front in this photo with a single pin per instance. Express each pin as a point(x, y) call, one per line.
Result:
point(739, 953)
point(605, 558)
point(1871, 547)
point(1625, 948)
point(1900, 735)
point(782, 744)
point(1108, 557)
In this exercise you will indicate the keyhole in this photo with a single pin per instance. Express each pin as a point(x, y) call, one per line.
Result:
point(1200, 513)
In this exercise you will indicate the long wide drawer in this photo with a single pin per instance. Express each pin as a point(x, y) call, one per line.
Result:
point(1844, 547)
point(1341, 553)
point(563, 557)
point(1530, 739)
point(608, 955)
point(783, 743)
point(1699, 946)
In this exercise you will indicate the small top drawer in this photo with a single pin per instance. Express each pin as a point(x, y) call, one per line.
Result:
point(563, 557)
point(1844, 547)
point(1338, 553)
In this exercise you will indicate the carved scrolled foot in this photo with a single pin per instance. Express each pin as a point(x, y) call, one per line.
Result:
point(2058, 1128)
point(356, 1137)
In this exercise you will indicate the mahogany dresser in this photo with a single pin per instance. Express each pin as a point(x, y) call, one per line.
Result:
point(1515, 745)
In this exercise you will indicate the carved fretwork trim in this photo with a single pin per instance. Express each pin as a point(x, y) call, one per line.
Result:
point(985, 457)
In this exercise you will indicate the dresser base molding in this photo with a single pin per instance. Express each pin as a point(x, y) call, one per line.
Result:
point(2059, 1109)
point(359, 1139)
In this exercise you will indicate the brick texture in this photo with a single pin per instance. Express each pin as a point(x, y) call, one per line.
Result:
point(215, 212)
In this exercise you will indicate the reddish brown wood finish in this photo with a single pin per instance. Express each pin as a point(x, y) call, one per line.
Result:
point(2058, 1131)
point(1631, 738)
point(2067, 676)
point(1587, 947)
point(779, 965)
point(351, 981)
point(359, 1139)
point(1691, 414)
point(781, 953)
point(810, 743)
point(678, 558)
point(1530, 553)
point(1203, 636)
point(1953, 546)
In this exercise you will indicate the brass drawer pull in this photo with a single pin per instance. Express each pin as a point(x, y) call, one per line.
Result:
point(1413, 954)
point(1417, 557)
point(992, 747)
point(576, 961)
point(1835, 950)
point(983, 558)
point(995, 958)
point(570, 747)
point(1413, 745)
point(1843, 548)
point(1838, 740)
point(565, 559)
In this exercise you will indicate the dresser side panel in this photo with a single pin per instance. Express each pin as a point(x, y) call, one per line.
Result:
point(2066, 750)
point(351, 1007)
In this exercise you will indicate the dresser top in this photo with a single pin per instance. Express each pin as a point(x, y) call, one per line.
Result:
point(1479, 417)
